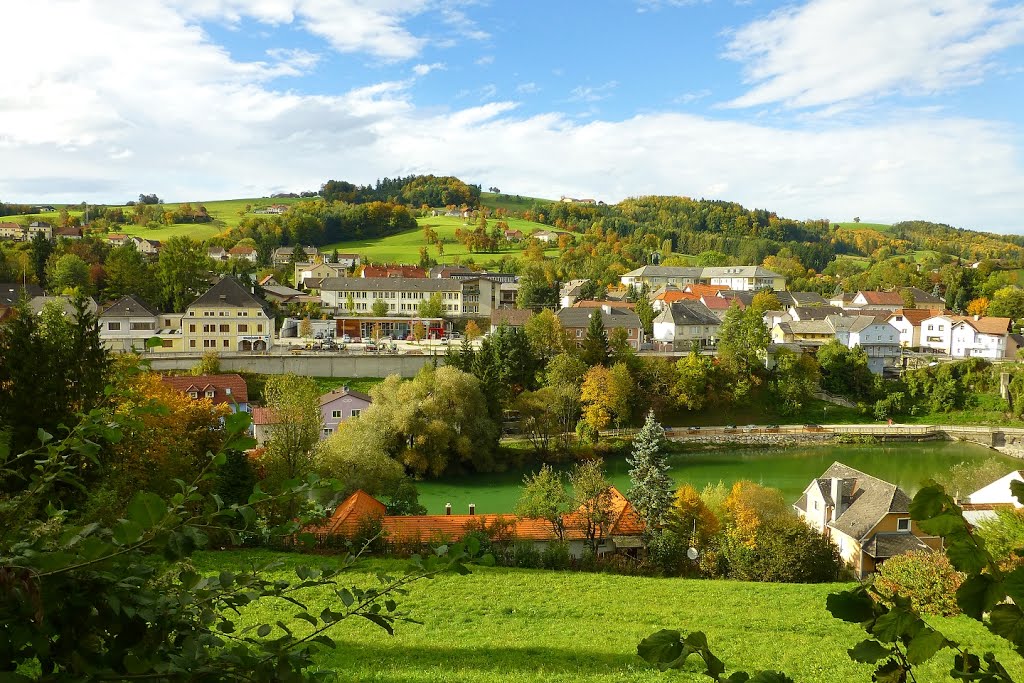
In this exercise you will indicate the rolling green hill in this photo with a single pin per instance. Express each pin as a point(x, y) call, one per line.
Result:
point(519, 626)
point(405, 247)
point(510, 202)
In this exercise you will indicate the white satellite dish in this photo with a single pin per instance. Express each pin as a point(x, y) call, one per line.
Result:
point(692, 553)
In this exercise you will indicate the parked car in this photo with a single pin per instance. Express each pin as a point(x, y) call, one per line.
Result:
point(456, 335)
point(370, 348)
point(410, 338)
point(444, 341)
point(367, 340)
point(318, 335)
point(345, 339)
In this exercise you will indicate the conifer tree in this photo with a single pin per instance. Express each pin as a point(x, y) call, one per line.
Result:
point(595, 344)
point(652, 490)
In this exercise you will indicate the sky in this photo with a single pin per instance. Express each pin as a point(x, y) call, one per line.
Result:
point(885, 110)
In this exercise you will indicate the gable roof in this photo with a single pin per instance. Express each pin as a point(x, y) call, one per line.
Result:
point(227, 388)
point(874, 298)
point(914, 316)
point(870, 499)
point(127, 306)
point(513, 317)
point(815, 312)
point(11, 292)
point(986, 325)
point(612, 318)
point(341, 393)
point(688, 313)
point(228, 292)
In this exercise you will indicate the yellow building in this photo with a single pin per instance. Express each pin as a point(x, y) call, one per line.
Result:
point(228, 317)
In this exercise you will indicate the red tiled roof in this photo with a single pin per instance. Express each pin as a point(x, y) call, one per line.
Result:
point(263, 416)
point(591, 303)
point(716, 303)
point(239, 392)
point(241, 249)
point(347, 516)
point(882, 298)
point(393, 271)
point(913, 315)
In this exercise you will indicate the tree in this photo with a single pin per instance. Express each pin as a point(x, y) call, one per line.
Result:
point(419, 331)
point(747, 507)
point(41, 249)
point(536, 290)
point(68, 273)
point(645, 311)
point(472, 331)
point(691, 518)
point(593, 499)
point(181, 271)
point(595, 343)
point(52, 367)
point(605, 396)
point(909, 300)
point(432, 307)
point(696, 384)
point(796, 379)
point(844, 371)
point(379, 309)
point(652, 488)
point(1007, 302)
point(544, 497)
point(294, 403)
point(544, 330)
point(978, 306)
point(209, 364)
point(505, 365)
point(306, 327)
point(129, 273)
point(565, 369)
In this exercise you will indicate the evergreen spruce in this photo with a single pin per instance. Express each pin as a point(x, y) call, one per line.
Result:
point(595, 344)
point(653, 490)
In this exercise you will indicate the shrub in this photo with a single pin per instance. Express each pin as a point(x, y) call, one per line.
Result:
point(666, 550)
point(785, 550)
point(556, 556)
point(925, 577)
point(522, 554)
point(1003, 536)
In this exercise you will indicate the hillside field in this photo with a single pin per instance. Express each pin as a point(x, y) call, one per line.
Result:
point(850, 225)
point(405, 247)
point(519, 626)
point(510, 202)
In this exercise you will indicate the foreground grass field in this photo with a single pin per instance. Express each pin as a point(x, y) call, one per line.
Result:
point(405, 247)
point(516, 626)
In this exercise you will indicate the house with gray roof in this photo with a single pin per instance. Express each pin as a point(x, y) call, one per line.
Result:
point(868, 519)
point(740, 278)
point(576, 320)
point(684, 323)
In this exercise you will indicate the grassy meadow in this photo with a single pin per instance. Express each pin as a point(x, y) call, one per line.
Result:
point(405, 247)
point(519, 626)
point(515, 203)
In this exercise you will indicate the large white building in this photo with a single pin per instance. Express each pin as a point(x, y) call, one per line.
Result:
point(477, 296)
point(738, 278)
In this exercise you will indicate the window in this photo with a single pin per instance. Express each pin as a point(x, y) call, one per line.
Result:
point(191, 328)
point(259, 328)
point(140, 326)
point(194, 394)
point(226, 342)
point(579, 333)
point(941, 328)
point(225, 328)
point(113, 326)
point(192, 343)
point(209, 393)
point(168, 343)
point(328, 431)
point(335, 413)
point(930, 328)
point(355, 413)
point(903, 524)
point(209, 343)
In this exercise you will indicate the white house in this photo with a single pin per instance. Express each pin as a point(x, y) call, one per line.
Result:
point(685, 323)
point(983, 504)
point(937, 333)
point(879, 339)
point(979, 337)
point(908, 322)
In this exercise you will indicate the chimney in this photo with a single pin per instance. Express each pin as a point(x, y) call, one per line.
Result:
point(977, 317)
point(448, 509)
point(606, 308)
point(837, 498)
point(472, 509)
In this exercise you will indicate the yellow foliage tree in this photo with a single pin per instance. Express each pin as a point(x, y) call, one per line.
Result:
point(748, 506)
point(978, 306)
point(691, 518)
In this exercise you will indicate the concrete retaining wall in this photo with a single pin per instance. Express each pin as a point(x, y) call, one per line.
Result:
point(317, 366)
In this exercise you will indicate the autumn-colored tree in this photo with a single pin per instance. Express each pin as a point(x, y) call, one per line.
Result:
point(691, 518)
point(978, 306)
point(306, 327)
point(419, 331)
point(472, 330)
point(747, 507)
point(606, 396)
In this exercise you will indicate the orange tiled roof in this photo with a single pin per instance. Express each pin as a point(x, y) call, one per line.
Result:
point(346, 518)
point(913, 315)
point(987, 324)
point(705, 290)
point(263, 416)
point(672, 295)
point(716, 303)
point(219, 383)
point(882, 298)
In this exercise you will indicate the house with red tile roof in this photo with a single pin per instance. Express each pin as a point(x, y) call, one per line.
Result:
point(393, 271)
point(228, 388)
point(623, 530)
point(243, 251)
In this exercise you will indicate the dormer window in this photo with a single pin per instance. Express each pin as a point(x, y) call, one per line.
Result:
point(209, 393)
point(903, 524)
point(193, 394)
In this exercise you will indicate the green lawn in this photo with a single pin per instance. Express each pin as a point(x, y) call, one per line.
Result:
point(361, 384)
point(513, 626)
point(510, 202)
point(405, 247)
point(880, 227)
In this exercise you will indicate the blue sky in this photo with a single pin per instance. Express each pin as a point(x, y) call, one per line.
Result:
point(883, 109)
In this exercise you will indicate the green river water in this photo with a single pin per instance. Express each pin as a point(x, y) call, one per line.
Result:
point(789, 469)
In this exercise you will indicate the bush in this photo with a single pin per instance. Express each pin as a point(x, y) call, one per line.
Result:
point(522, 554)
point(927, 578)
point(785, 550)
point(556, 556)
point(1003, 535)
point(666, 550)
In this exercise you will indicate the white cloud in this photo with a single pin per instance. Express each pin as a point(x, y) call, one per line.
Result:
point(830, 51)
point(293, 62)
point(485, 60)
point(182, 118)
point(592, 93)
point(691, 97)
point(424, 69)
point(528, 88)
